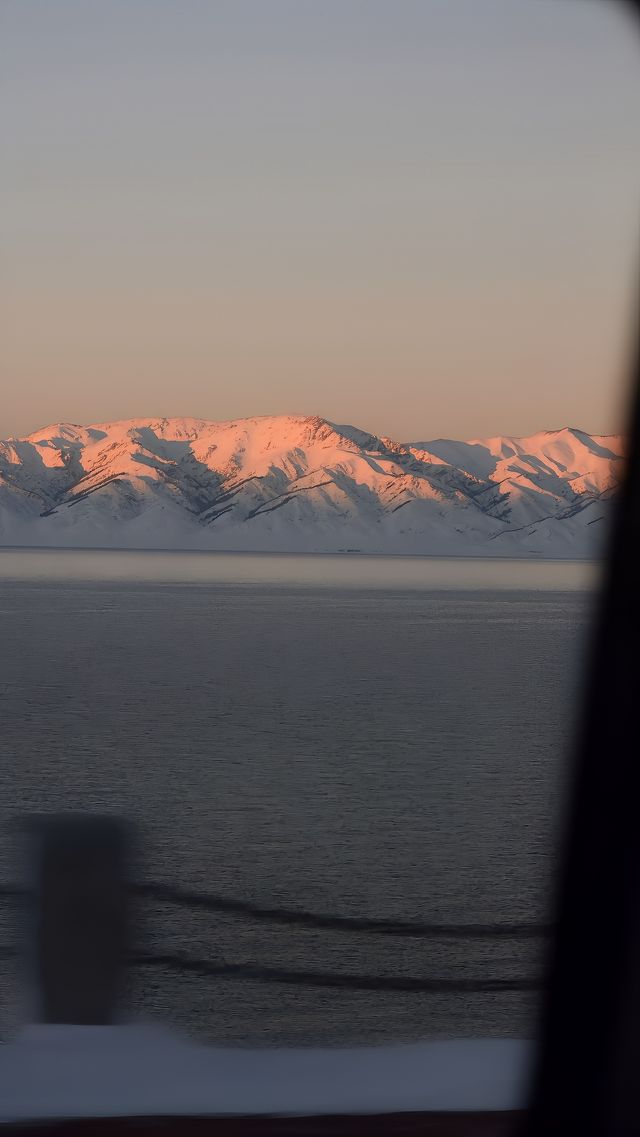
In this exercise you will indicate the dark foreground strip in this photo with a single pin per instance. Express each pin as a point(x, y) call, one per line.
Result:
point(495, 1124)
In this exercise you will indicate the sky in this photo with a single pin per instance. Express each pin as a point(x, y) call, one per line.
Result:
point(418, 216)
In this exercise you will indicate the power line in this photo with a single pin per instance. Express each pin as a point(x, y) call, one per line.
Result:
point(186, 965)
point(279, 915)
point(309, 978)
point(304, 978)
point(212, 902)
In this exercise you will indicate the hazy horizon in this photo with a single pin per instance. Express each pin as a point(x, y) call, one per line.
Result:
point(417, 436)
point(420, 217)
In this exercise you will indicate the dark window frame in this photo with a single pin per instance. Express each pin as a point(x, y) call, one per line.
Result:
point(587, 1073)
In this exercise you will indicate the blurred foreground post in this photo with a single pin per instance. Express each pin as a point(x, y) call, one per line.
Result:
point(80, 916)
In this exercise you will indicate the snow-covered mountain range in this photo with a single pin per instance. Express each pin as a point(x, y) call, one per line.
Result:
point(290, 483)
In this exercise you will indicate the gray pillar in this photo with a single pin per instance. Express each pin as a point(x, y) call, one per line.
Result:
point(80, 916)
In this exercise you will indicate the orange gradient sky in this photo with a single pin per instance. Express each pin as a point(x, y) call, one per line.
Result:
point(417, 215)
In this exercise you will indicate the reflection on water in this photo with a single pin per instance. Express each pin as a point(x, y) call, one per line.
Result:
point(296, 570)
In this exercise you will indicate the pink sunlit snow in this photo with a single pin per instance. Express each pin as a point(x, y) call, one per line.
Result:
point(295, 483)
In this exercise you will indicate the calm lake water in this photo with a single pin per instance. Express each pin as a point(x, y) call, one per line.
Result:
point(361, 736)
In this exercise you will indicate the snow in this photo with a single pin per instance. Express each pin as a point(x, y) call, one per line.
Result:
point(292, 483)
point(62, 1071)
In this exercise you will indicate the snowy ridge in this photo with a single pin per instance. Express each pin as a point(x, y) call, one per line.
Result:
point(293, 483)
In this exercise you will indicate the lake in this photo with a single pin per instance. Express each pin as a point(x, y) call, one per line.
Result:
point(382, 737)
